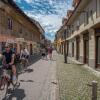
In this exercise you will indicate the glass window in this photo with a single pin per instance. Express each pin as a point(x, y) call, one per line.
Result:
point(9, 23)
point(86, 18)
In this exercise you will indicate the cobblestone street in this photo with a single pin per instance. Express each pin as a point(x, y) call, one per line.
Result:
point(73, 80)
point(37, 83)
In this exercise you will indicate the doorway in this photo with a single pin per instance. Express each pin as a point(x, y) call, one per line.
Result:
point(77, 48)
point(86, 48)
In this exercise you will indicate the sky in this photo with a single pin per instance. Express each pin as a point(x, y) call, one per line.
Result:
point(48, 13)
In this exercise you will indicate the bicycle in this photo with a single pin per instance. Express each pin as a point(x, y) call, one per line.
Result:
point(23, 64)
point(6, 81)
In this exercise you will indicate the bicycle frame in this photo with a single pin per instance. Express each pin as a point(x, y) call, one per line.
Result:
point(6, 77)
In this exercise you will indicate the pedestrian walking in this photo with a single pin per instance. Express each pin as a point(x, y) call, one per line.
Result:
point(46, 49)
point(43, 53)
point(50, 52)
point(27, 54)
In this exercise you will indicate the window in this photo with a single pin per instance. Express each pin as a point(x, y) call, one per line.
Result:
point(78, 25)
point(98, 8)
point(72, 28)
point(91, 14)
point(9, 24)
point(86, 18)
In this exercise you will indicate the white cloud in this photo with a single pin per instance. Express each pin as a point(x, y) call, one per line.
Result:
point(50, 23)
point(29, 1)
point(49, 13)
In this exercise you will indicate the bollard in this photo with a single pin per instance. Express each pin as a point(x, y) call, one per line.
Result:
point(94, 90)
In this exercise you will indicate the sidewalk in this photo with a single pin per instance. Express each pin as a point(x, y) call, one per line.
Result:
point(73, 80)
point(37, 83)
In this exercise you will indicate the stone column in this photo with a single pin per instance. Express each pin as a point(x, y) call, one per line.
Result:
point(70, 49)
point(81, 45)
point(92, 48)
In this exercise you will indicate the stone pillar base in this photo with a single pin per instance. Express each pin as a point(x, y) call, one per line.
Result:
point(92, 63)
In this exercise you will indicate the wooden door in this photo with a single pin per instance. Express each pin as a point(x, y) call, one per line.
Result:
point(77, 48)
point(86, 48)
point(73, 49)
point(86, 51)
point(98, 51)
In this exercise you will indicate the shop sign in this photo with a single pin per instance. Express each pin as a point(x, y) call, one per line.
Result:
point(20, 39)
point(10, 41)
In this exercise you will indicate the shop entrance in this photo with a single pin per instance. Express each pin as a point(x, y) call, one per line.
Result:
point(98, 48)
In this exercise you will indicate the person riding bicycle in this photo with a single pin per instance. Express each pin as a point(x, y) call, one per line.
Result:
point(8, 61)
point(24, 56)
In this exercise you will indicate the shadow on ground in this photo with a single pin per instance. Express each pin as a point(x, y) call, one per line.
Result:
point(31, 81)
point(17, 94)
point(34, 58)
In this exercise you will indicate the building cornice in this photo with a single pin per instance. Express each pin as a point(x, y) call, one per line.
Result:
point(79, 8)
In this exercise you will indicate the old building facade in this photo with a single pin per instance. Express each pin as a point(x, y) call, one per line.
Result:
point(83, 33)
point(17, 28)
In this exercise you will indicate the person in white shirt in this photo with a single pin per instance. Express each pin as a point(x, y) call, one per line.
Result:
point(27, 54)
point(24, 55)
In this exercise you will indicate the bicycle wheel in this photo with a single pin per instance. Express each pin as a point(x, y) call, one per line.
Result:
point(3, 87)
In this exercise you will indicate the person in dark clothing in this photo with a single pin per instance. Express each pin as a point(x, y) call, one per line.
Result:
point(46, 49)
point(50, 50)
point(9, 61)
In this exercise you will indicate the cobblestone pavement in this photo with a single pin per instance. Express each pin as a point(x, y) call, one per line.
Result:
point(73, 80)
point(37, 83)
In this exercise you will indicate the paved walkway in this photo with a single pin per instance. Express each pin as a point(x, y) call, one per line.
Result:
point(73, 80)
point(38, 82)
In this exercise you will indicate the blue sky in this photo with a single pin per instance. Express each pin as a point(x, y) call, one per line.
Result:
point(48, 13)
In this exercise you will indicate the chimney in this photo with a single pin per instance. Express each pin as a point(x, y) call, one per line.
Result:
point(75, 3)
point(69, 13)
point(64, 20)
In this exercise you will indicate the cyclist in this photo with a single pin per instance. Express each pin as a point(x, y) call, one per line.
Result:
point(27, 54)
point(23, 57)
point(8, 61)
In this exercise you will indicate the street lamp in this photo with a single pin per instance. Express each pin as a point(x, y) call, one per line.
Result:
point(65, 54)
